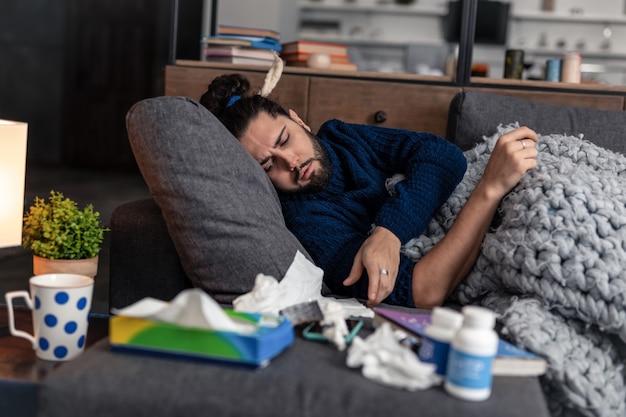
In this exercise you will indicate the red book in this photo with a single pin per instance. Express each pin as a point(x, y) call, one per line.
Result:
point(345, 66)
point(303, 56)
point(312, 46)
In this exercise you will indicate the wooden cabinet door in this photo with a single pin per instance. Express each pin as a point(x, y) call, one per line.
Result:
point(189, 81)
point(415, 107)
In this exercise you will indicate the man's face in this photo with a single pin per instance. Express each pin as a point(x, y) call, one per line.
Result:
point(292, 157)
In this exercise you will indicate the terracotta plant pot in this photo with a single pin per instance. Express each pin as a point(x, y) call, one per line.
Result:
point(87, 267)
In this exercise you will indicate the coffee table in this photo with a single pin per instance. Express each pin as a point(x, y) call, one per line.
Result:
point(21, 372)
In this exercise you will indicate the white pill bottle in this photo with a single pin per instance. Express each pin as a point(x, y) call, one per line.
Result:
point(473, 348)
point(435, 347)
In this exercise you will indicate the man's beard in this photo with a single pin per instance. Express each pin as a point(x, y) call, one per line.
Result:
point(319, 180)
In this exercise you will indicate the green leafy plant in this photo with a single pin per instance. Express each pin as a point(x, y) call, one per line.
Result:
point(58, 229)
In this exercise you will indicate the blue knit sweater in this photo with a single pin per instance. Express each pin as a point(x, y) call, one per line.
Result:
point(333, 224)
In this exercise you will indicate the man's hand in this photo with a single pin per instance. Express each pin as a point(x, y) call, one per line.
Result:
point(514, 154)
point(449, 261)
point(379, 253)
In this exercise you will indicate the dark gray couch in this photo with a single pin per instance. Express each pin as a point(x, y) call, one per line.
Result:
point(308, 379)
point(137, 269)
point(144, 259)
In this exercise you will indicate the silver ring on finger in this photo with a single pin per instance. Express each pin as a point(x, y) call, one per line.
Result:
point(523, 145)
point(383, 271)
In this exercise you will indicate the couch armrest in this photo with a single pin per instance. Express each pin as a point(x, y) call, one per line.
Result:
point(143, 262)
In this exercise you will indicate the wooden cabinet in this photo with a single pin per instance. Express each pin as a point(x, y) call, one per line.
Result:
point(390, 104)
point(404, 101)
point(321, 97)
point(193, 81)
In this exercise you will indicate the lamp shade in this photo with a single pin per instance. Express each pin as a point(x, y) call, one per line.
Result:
point(12, 174)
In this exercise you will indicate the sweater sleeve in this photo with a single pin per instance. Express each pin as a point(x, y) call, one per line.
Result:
point(432, 167)
point(333, 242)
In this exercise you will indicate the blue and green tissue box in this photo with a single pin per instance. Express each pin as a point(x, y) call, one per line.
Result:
point(272, 336)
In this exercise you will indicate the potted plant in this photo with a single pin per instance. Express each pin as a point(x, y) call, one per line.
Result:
point(62, 237)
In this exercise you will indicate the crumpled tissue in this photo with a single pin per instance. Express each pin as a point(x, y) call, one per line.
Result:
point(351, 306)
point(386, 361)
point(334, 327)
point(192, 308)
point(302, 283)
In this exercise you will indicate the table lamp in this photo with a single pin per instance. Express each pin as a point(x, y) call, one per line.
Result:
point(12, 175)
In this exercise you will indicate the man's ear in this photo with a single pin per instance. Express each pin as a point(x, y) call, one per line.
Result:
point(294, 116)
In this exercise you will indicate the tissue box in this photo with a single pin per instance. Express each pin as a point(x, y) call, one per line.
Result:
point(272, 336)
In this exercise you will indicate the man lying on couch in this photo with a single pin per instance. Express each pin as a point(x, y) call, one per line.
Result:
point(334, 199)
point(551, 268)
point(551, 263)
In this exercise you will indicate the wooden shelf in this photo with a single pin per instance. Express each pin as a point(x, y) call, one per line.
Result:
point(568, 18)
point(419, 79)
point(413, 9)
point(363, 42)
point(370, 75)
point(584, 54)
point(549, 85)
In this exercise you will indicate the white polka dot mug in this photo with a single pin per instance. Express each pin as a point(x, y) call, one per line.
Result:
point(60, 305)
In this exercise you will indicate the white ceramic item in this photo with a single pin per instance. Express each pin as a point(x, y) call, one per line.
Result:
point(318, 60)
point(60, 305)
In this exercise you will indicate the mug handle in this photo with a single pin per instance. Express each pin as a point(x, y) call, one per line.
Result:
point(9, 299)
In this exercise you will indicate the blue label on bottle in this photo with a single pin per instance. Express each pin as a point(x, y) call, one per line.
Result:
point(469, 371)
point(435, 352)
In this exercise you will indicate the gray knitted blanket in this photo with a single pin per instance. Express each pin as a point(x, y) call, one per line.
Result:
point(554, 270)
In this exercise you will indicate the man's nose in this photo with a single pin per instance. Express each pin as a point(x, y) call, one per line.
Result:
point(289, 159)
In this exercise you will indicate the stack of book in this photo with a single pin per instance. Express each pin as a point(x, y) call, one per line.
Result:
point(241, 45)
point(297, 54)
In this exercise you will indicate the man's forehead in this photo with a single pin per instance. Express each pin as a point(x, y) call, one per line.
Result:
point(264, 128)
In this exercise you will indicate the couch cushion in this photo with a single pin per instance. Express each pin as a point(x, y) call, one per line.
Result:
point(220, 208)
point(474, 114)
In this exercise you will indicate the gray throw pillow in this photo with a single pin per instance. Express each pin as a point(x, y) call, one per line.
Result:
point(220, 208)
point(474, 114)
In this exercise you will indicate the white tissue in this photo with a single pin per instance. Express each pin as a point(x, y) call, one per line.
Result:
point(352, 306)
point(190, 308)
point(334, 324)
point(386, 361)
point(302, 282)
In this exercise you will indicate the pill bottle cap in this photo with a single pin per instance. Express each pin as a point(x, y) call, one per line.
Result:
point(447, 317)
point(478, 317)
